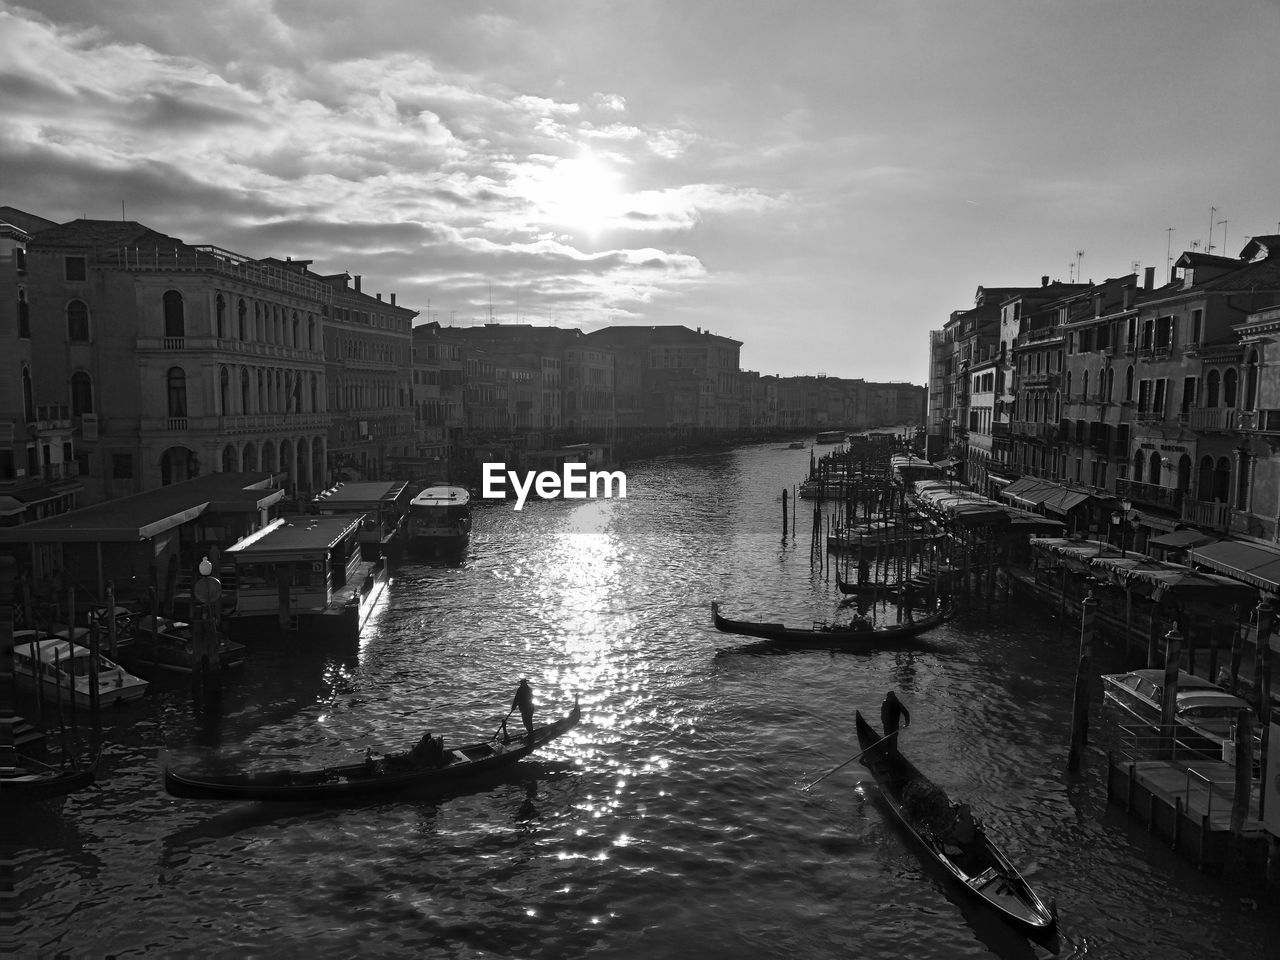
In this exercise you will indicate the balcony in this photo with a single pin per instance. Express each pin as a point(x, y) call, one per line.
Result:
point(1150, 495)
point(1211, 419)
point(1215, 516)
point(1149, 416)
point(1155, 352)
point(1049, 380)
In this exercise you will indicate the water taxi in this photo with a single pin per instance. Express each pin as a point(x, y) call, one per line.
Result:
point(439, 522)
point(63, 671)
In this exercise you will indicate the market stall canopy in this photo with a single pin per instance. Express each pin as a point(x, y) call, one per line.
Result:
point(1182, 538)
point(1176, 582)
point(1250, 562)
point(1072, 553)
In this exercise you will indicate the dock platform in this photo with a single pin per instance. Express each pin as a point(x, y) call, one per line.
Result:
point(1189, 803)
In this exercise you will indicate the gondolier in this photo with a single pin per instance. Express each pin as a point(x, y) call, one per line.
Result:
point(523, 701)
point(891, 711)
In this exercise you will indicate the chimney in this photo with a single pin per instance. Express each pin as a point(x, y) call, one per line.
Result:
point(393, 299)
point(1044, 281)
point(1148, 278)
point(357, 279)
point(379, 296)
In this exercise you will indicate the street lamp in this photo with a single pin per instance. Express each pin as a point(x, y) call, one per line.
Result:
point(1125, 506)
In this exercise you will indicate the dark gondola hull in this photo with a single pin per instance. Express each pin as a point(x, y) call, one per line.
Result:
point(866, 589)
point(979, 868)
point(391, 775)
point(29, 784)
point(869, 638)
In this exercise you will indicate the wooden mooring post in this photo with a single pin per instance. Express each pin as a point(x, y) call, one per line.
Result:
point(1169, 695)
point(784, 511)
point(1080, 704)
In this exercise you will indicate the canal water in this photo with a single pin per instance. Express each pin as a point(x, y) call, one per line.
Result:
point(672, 822)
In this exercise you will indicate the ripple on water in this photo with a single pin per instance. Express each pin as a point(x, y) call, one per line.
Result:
point(673, 821)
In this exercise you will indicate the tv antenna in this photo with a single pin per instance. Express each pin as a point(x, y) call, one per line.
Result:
point(1168, 251)
point(1079, 275)
point(1212, 212)
point(1223, 225)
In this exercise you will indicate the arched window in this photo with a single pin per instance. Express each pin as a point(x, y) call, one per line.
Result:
point(262, 392)
point(245, 393)
point(224, 391)
point(1139, 462)
point(315, 387)
point(220, 311)
point(1211, 389)
point(1230, 380)
point(1242, 480)
point(311, 332)
point(296, 323)
point(175, 321)
point(1084, 386)
point(1111, 384)
point(28, 403)
point(24, 315)
point(1068, 384)
point(81, 394)
point(1222, 480)
point(1128, 383)
point(1204, 479)
point(177, 378)
point(242, 315)
point(1251, 381)
point(1184, 472)
point(77, 321)
point(1154, 467)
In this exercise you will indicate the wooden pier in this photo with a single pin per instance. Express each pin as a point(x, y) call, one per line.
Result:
point(1189, 803)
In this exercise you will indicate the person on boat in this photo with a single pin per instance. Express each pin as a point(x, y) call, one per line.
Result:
point(523, 701)
point(891, 712)
point(909, 601)
point(429, 751)
point(860, 622)
point(864, 571)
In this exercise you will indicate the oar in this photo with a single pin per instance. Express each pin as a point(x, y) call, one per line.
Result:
point(503, 724)
point(850, 760)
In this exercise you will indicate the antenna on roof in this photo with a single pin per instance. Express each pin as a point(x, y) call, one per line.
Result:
point(1168, 251)
point(1079, 257)
point(1223, 225)
point(122, 216)
point(1212, 211)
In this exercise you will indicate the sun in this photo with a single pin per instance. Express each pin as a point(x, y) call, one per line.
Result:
point(579, 193)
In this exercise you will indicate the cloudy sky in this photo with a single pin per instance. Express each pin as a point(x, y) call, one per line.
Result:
point(825, 181)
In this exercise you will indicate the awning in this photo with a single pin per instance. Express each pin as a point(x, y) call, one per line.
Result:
point(999, 480)
point(1181, 538)
point(1021, 484)
point(1249, 562)
point(1064, 500)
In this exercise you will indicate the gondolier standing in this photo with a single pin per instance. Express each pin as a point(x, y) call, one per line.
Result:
point(523, 701)
point(890, 712)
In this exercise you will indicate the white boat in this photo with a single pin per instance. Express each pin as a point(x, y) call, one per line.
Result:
point(1204, 712)
point(62, 669)
point(439, 521)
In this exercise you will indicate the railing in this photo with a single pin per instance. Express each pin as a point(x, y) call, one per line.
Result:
point(1211, 419)
point(1151, 494)
point(174, 343)
point(176, 423)
point(1040, 380)
point(1204, 514)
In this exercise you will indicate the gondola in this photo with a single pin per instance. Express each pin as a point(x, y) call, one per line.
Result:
point(973, 860)
point(33, 780)
point(829, 633)
point(866, 589)
point(371, 777)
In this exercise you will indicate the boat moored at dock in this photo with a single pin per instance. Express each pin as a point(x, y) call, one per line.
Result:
point(439, 522)
point(60, 669)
